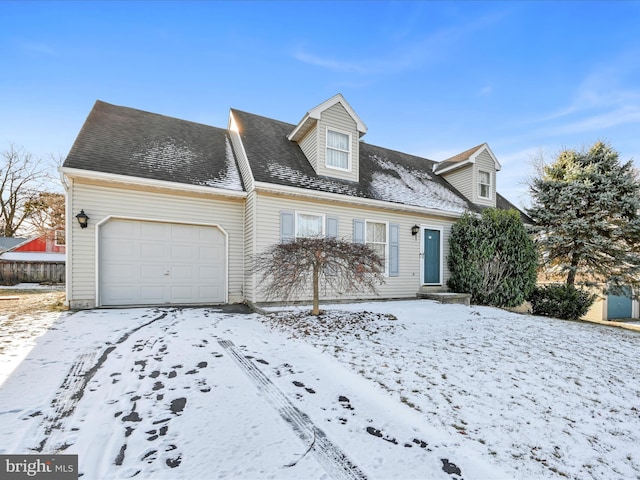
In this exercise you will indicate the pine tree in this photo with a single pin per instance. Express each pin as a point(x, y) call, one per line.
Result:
point(586, 206)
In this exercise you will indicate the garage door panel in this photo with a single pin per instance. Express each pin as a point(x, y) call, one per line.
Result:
point(120, 295)
point(157, 263)
point(152, 230)
point(116, 248)
point(120, 271)
point(184, 233)
point(183, 273)
point(152, 251)
point(183, 294)
point(211, 253)
point(183, 252)
point(209, 274)
point(121, 229)
point(209, 292)
point(210, 235)
point(151, 273)
point(152, 294)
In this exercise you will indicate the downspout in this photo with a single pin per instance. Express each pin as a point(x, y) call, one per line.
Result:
point(67, 184)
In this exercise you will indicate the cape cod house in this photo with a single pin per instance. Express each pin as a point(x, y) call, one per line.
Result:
point(176, 209)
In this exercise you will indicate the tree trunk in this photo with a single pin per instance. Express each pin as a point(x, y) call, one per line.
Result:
point(571, 277)
point(316, 294)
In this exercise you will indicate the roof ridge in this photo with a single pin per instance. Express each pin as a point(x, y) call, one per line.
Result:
point(154, 114)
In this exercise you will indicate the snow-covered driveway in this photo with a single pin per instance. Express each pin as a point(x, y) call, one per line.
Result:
point(442, 392)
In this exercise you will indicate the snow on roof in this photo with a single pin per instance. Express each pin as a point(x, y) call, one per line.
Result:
point(398, 184)
point(168, 153)
point(33, 257)
point(284, 172)
point(174, 156)
point(230, 178)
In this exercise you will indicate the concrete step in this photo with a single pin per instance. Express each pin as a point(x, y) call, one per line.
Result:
point(446, 297)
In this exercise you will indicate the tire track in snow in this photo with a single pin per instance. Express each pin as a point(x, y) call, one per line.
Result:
point(330, 456)
point(72, 390)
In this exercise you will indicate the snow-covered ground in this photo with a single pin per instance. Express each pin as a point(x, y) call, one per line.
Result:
point(409, 389)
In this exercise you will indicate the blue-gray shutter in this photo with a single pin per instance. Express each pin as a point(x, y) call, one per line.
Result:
point(358, 231)
point(394, 250)
point(332, 227)
point(287, 227)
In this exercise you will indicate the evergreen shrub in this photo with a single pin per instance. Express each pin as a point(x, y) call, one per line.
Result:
point(493, 258)
point(560, 301)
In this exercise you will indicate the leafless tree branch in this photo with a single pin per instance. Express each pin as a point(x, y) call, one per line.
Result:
point(22, 182)
point(296, 269)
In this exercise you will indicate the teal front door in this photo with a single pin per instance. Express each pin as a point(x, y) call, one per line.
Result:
point(431, 257)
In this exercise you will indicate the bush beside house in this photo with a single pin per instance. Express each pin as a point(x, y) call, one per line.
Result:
point(561, 301)
point(493, 258)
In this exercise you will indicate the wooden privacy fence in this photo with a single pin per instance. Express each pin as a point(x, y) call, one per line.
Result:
point(12, 272)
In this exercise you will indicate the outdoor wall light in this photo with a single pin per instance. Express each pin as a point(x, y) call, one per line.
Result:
point(414, 230)
point(83, 220)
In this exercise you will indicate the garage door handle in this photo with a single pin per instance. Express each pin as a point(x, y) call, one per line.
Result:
point(166, 273)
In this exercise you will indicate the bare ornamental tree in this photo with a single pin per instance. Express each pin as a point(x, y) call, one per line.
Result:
point(22, 181)
point(47, 212)
point(290, 270)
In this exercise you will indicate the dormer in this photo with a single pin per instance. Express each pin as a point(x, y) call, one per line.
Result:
point(329, 135)
point(473, 173)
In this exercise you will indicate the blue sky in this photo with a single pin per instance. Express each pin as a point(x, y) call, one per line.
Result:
point(428, 78)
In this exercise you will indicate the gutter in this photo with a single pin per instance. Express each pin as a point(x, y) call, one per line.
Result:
point(147, 182)
point(263, 187)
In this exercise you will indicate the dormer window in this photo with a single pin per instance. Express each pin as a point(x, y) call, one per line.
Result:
point(338, 150)
point(485, 185)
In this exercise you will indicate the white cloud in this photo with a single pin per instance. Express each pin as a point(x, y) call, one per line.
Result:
point(619, 116)
point(520, 157)
point(412, 54)
point(606, 98)
point(395, 61)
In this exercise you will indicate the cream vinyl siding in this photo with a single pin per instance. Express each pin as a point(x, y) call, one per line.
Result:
point(309, 146)
point(406, 285)
point(597, 311)
point(485, 163)
point(99, 200)
point(462, 179)
point(250, 235)
point(338, 119)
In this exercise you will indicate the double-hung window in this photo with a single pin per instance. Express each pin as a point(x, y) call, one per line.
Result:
point(484, 185)
point(309, 225)
point(60, 238)
point(377, 239)
point(338, 150)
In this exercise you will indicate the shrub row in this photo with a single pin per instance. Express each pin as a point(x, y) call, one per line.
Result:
point(560, 301)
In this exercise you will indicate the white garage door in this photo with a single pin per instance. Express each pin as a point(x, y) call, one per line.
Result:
point(153, 263)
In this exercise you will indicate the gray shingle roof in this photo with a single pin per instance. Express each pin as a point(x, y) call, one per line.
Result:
point(385, 174)
point(132, 142)
point(504, 204)
point(126, 141)
point(456, 159)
